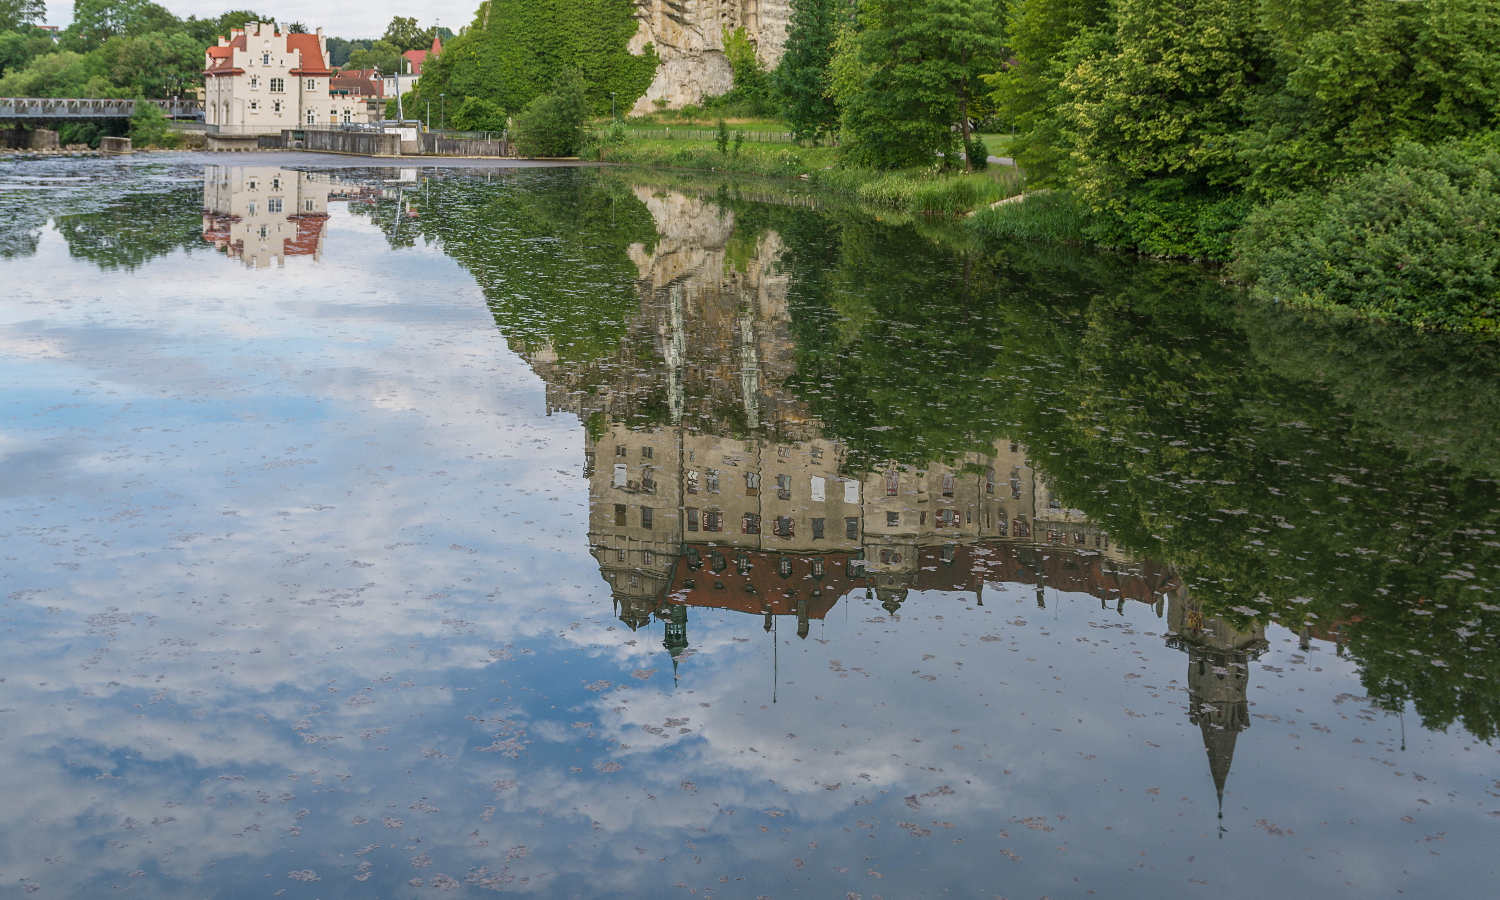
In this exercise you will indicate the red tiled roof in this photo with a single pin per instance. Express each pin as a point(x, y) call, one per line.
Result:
point(312, 55)
point(416, 57)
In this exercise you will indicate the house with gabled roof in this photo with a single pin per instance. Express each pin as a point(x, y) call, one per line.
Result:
point(260, 80)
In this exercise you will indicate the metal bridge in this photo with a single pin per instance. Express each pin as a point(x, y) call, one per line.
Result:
point(60, 108)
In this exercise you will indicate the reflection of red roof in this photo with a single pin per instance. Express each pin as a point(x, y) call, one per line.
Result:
point(309, 232)
point(1062, 569)
point(767, 584)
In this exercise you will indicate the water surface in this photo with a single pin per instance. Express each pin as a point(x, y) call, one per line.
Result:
point(578, 533)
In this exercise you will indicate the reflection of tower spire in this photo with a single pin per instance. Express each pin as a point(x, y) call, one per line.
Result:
point(675, 638)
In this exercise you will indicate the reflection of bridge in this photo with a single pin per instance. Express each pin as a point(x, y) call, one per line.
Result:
point(72, 108)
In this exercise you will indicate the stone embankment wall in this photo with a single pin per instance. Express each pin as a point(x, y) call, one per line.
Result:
point(688, 35)
point(359, 143)
point(436, 145)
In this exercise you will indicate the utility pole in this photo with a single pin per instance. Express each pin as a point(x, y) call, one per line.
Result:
point(429, 114)
point(442, 111)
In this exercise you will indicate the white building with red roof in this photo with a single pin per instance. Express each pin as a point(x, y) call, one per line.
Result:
point(260, 80)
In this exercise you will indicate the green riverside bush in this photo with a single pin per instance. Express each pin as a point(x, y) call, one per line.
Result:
point(552, 124)
point(1413, 240)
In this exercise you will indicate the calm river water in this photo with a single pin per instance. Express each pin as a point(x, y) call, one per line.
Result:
point(578, 533)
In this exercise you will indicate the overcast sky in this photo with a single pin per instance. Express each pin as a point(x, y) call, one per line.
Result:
point(339, 19)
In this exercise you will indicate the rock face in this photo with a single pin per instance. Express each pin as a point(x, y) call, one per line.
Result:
point(688, 35)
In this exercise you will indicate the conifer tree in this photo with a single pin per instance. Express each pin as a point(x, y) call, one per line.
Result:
point(802, 79)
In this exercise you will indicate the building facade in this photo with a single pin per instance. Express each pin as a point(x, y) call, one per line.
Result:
point(259, 80)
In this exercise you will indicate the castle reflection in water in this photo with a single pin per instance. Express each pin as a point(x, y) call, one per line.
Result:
point(733, 497)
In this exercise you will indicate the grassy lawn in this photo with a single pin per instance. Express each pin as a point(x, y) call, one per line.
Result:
point(913, 191)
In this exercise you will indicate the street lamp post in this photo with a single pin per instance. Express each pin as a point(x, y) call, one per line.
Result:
point(442, 111)
point(612, 116)
point(429, 114)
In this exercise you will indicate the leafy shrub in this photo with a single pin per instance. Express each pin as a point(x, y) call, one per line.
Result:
point(1412, 240)
point(552, 125)
point(478, 114)
point(150, 127)
point(978, 153)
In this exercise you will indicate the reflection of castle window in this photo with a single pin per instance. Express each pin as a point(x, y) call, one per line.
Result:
point(750, 524)
point(273, 205)
point(817, 453)
point(620, 515)
point(817, 567)
point(892, 483)
point(945, 518)
point(251, 207)
point(263, 232)
point(989, 481)
point(1078, 537)
point(716, 562)
point(784, 526)
point(635, 581)
point(307, 205)
point(752, 484)
point(619, 556)
point(692, 519)
point(784, 566)
point(1056, 537)
point(646, 452)
point(948, 554)
point(851, 528)
point(646, 557)
point(890, 557)
point(713, 520)
point(620, 452)
point(817, 529)
point(742, 565)
point(712, 479)
point(948, 481)
point(622, 475)
point(1003, 527)
point(1053, 502)
point(892, 518)
point(784, 487)
point(1023, 528)
point(851, 492)
point(816, 489)
point(1014, 447)
point(692, 482)
point(783, 451)
point(694, 561)
point(648, 479)
point(1015, 484)
point(645, 517)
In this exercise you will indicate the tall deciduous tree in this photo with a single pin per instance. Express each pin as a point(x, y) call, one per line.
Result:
point(803, 79)
point(405, 35)
point(15, 13)
point(924, 61)
point(96, 21)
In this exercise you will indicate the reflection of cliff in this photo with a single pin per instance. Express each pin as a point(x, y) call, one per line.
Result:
point(688, 36)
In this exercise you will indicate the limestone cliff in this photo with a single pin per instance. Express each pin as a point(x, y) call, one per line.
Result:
point(689, 38)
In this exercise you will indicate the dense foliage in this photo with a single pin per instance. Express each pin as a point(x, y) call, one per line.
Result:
point(514, 50)
point(1411, 240)
point(802, 79)
point(552, 125)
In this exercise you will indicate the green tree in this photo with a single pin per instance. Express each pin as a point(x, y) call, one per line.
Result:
point(1352, 79)
point(552, 125)
point(514, 49)
point(154, 65)
point(752, 86)
point(1152, 113)
point(16, 13)
point(96, 21)
point(150, 127)
point(404, 34)
point(477, 114)
point(802, 80)
point(1027, 93)
point(296, 28)
point(923, 61)
point(382, 55)
point(19, 48)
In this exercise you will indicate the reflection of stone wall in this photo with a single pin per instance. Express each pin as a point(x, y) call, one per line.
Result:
point(688, 36)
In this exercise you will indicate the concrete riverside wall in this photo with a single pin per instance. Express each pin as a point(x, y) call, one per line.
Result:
point(358, 143)
point(114, 145)
point(436, 145)
point(233, 141)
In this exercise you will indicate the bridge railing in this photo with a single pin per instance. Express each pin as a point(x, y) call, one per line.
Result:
point(88, 108)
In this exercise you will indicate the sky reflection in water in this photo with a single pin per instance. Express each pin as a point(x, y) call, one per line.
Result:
point(318, 583)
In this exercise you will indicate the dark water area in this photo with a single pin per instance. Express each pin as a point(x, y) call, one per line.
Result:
point(594, 533)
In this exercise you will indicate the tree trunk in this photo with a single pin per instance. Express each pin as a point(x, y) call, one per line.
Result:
point(963, 127)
